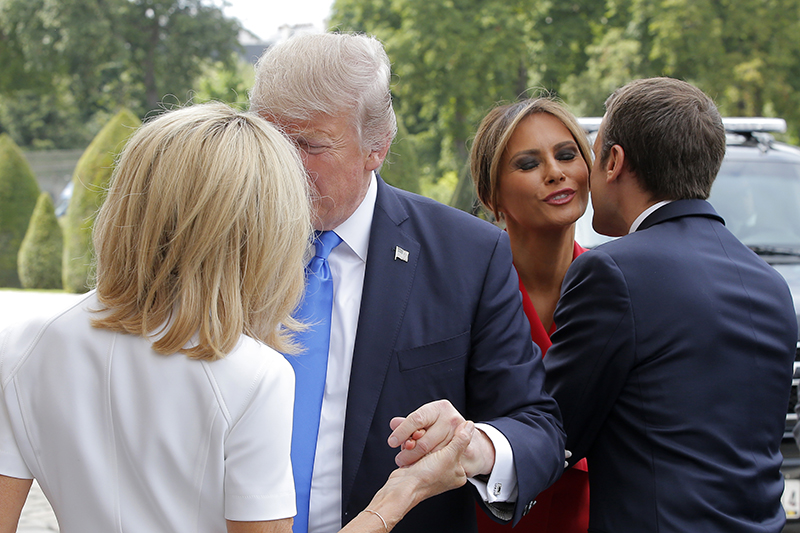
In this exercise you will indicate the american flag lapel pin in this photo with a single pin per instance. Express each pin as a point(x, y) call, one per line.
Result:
point(400, 254)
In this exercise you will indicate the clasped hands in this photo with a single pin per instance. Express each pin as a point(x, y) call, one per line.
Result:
point(431, 428)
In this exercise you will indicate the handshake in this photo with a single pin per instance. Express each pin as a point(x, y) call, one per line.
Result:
point(439, 450)
point(434, 427)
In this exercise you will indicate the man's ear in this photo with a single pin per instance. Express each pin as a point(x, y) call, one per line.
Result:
point(376, 157)
point(615, 163)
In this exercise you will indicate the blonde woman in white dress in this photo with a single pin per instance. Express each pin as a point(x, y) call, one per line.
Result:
point(160, 401)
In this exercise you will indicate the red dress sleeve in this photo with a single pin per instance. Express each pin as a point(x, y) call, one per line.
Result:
point(564, 507)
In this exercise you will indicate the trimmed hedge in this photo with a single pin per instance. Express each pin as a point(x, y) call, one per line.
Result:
point(39, 259)
point(18, 193)
point(90, 182)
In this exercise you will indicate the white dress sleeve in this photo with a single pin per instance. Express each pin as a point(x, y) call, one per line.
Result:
point(258, 470)
point(11, 462)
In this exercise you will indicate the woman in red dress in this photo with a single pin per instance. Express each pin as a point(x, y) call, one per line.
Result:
point(530, 164)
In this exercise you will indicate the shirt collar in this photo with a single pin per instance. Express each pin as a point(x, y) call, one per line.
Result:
point(646, 213)
point(356, 229)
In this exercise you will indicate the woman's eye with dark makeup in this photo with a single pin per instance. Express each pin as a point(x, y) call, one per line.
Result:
point(566, 155)
point(526, 163)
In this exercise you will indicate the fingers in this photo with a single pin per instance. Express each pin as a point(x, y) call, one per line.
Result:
point(411, 443)
point(444, 469)
point(422, 418)
point(428, 429)
point(395, 422)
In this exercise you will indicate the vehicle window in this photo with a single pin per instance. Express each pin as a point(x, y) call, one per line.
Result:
point(760, 202)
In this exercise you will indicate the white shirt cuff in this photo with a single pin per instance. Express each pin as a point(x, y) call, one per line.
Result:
point(502, 483)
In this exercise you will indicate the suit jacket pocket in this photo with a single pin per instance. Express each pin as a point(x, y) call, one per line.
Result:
point(434, 353)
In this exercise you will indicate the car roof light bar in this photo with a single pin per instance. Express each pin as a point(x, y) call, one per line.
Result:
point(732, 124)
point(590, 124)
point(754, 124)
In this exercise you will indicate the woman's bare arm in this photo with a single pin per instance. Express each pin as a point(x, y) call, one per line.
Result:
point(269, 526)
point(13, 492)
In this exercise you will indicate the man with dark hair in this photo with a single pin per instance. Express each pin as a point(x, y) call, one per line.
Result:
point(673, 358)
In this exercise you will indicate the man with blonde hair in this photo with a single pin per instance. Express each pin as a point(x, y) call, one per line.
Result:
point(426, 315)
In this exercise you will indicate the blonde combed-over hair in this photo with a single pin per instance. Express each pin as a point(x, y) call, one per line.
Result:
point(204, 233)
point(328, 74)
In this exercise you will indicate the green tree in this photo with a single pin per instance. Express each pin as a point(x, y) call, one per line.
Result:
point(18, 194)
point(613, 62)
point(40, 255)
point(226, 85)
point(742, 53)
point(90, 182)
point(401, 167)
point(56, 47)
point(45, 121)
point(132, 54)
point(453, 59)
point(565, 32)
point(171, 41)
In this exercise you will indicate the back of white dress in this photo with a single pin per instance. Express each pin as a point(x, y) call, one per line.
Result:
point(122, 438)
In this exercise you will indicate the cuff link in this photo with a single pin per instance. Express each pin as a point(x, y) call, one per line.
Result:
point(528, 507)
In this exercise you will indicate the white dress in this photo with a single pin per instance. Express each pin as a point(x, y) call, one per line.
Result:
point(121, 438)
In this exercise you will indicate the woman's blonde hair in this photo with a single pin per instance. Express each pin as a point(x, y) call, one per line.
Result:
point(496, 130)
point(204, 232)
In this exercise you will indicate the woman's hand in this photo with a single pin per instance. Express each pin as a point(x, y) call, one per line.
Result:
point(437, 472)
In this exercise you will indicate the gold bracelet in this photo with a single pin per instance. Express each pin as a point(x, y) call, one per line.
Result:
point(376, 513)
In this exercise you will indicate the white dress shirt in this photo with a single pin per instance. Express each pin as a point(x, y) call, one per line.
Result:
point(646, 213)
point(348, 263)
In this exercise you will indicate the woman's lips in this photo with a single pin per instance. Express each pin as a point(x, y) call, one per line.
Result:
point(560, 197)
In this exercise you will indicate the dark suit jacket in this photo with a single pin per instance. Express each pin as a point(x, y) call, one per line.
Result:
point(672, 366)
point(448, 323)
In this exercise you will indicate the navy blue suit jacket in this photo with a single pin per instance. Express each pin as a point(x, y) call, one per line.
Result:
point(448, 323)
point(672, 366)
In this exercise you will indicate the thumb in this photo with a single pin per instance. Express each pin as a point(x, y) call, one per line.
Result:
point(462, 438)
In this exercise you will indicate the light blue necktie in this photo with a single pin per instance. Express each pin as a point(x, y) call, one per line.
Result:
point(310, 369)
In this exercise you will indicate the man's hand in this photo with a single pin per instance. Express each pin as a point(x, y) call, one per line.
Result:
point(431, 428)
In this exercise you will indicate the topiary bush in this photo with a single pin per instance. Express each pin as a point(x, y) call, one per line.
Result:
point(18, 193)
point(90, 181)
point(40, 255)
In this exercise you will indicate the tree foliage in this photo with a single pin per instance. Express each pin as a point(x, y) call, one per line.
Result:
point(90, 182)
point(401, 167)
point(18, 194)
point(170, 42)
point(81, 60)
point(40, 255)
point(454, 59)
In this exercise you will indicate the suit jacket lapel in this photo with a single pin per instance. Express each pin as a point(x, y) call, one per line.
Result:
point(387, 284)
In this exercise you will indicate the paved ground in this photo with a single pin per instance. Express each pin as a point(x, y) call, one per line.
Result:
point(37, 516)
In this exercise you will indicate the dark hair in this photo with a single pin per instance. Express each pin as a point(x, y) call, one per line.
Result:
point(672, 135)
